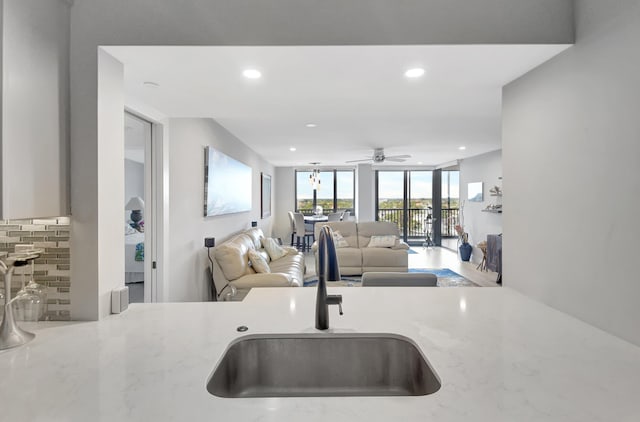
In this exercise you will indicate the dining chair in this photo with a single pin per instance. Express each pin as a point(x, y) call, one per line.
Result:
point(292, 223)
point(334, 216)
point(301, 231)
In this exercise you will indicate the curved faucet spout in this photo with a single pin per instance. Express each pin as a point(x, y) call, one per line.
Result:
point(328, 270)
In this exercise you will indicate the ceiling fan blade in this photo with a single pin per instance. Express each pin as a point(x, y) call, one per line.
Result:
point(357, 161)
point(397, 156)
point(396, 159)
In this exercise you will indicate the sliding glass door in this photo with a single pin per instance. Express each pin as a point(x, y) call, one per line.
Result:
point(405, 197)
point(420, 202)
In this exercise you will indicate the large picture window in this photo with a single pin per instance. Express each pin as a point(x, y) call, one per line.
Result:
point(336, 191)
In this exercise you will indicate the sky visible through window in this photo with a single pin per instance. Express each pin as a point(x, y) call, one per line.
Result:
point(345, 185)
point(390, 184)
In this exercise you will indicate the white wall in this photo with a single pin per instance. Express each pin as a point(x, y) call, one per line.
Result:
point(285, 193)
point(484, 168)
point(188, 227)
point(133, 180)
point(133, 185)
point(110, 179)
point(277, 22)
point(365, 208)
point(571, 151)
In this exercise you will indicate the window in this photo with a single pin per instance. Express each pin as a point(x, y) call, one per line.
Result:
point(450, 202)
point(336, 191)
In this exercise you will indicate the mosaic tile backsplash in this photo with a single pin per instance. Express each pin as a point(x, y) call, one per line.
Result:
point(52, 269)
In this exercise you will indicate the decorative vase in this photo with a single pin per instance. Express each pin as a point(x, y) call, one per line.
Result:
point(465, 251)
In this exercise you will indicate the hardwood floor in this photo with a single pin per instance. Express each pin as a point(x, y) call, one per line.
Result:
point(435, 257)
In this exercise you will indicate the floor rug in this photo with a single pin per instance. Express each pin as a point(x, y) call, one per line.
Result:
point(446, 278)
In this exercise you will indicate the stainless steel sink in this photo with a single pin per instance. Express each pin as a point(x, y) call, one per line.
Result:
point(306, 365)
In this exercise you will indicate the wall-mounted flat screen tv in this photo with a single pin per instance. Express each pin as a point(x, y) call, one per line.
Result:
point(227, 184)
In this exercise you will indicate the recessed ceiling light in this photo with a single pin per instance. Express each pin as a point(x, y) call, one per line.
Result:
point(292, 149)
point(416, 72)
point(419, 162)
point(252, 74)
point(462, 148)
point(311, 125)
point(150, 84)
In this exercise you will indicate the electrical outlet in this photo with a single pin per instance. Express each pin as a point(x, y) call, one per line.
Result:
point(209, 242)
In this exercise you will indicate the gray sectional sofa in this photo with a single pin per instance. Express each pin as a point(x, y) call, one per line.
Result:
point(357, 257)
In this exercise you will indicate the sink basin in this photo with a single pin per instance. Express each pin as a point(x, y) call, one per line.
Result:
point(311, 365)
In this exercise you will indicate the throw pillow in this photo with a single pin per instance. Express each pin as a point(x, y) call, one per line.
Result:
point(386, 241)
point(339, 241)
point(258, 262)
point(264, 254)
point(400, 245)
point(290, 250)
point(274, 250)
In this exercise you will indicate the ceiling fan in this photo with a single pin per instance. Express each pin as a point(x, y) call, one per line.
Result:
point(379, 157)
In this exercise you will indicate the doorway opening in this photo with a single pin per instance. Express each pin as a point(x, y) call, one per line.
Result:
point(137, 142)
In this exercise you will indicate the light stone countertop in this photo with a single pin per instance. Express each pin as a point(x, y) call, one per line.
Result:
point(500, 356)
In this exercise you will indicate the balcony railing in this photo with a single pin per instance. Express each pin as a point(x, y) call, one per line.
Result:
point(416, 220)
point(325, 211)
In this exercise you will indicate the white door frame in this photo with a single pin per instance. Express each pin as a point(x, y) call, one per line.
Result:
point(154, 210)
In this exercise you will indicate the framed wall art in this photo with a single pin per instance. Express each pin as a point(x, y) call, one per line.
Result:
point(265, 200)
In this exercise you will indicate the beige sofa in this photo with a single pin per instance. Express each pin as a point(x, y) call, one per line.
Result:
point(231, 266)
point(358, 257)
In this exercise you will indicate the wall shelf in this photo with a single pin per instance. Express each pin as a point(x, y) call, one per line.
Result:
point(493, 211)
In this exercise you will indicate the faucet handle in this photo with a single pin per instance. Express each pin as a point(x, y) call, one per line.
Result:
point(335, 300)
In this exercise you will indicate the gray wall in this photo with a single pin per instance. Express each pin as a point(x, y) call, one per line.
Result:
point(571, 148)
point(188, 227)
point(484, 168)
point(34, 144)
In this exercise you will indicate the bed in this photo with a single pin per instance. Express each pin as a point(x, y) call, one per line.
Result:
point(134, 270)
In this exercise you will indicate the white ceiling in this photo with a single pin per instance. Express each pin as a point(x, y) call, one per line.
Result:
point(357, 96)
